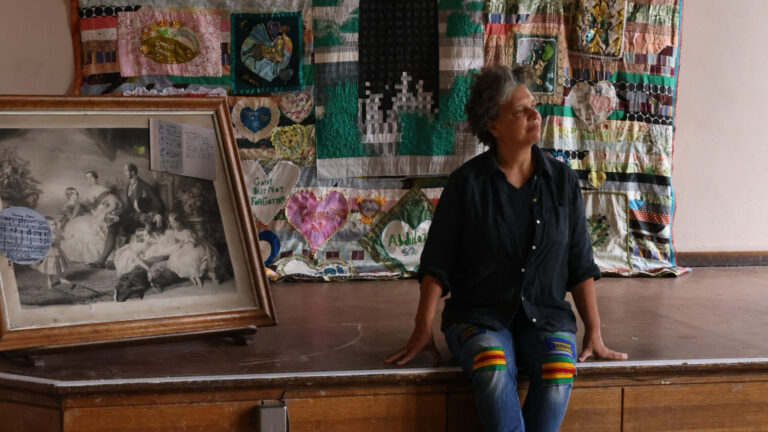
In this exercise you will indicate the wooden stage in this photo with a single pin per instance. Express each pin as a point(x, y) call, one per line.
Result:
point(698, 348)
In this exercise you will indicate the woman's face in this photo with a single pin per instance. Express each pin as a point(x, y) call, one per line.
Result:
point(518, 122)
point(91, 179)
point(73, 196)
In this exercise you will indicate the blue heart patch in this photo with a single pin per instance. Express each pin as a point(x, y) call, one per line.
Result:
point(255, 119)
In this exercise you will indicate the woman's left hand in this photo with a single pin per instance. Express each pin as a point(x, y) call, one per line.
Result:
point(594, 346)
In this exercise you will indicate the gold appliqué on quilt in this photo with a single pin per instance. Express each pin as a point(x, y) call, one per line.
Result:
point(169, 42)
point(599, 27)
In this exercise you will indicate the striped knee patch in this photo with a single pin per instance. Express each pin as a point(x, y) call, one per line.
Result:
point(489, 359)
point(559, 362)
point(469, 333)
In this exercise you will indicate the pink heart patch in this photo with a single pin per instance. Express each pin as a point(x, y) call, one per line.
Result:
point(317, 221)
point(591, 104)
point(297, 106)
point(602, 105)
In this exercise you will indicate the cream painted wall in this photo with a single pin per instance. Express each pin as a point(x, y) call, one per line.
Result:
point(35, 47)
point(720, 178)
point(719, 173)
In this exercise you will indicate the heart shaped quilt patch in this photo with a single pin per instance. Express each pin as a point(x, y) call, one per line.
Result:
point(268, 193)
point(596, 178)
point(255, 118)
point(593, 104)
point(297, 106)
point(369, 208)
point(404, 243)
point(290, 141)
point(317, 220)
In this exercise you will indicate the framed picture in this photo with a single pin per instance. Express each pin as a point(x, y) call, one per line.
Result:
point(98, 247)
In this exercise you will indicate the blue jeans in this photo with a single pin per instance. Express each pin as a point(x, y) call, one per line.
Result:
point(490, 358)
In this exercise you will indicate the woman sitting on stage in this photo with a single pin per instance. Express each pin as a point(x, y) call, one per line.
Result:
point(508, 240)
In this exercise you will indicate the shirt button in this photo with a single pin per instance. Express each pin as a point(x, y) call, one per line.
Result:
point(535, 199)
point(533, 320)
point(538, 221)
point(522, 270)
point(533, 247)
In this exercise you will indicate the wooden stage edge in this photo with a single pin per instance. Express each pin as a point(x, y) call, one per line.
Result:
point(593, 370)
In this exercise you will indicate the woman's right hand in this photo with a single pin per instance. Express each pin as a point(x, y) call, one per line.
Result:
point(421, 339)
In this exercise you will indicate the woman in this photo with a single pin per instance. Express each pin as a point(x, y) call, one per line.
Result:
point(72, 208)
point(507, 240)
point(82, 239)
point(105, 205)
point(95, 191)
point(194, 259)
point(84, 236)
point(187, 257)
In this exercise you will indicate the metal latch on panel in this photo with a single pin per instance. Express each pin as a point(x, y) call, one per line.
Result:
point(273, 416)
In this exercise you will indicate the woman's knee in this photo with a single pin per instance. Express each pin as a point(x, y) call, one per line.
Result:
point(490, 373)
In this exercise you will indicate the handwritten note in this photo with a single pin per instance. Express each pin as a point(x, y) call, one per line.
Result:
point(25, 236)
point(268, 194)
point(182, 149)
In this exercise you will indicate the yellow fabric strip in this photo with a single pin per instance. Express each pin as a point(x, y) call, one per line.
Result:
point(556, 375)
point(556, 365)
point(488, 363)
point(487, 353)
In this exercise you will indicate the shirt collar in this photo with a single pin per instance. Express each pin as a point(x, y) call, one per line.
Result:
point(490, 163)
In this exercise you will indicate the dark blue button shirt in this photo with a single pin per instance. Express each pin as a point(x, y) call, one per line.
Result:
point(472, 251)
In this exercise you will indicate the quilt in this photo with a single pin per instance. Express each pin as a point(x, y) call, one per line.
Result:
point(349, 114)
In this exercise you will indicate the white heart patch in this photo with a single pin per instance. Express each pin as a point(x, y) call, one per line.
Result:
point(404, 243)
point(593, 104)
point(268, 193)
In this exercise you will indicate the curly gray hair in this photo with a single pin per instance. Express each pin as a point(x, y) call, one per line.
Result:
point(491, 87)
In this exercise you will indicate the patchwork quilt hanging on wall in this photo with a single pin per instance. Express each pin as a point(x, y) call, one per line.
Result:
point(309, 227)
point(394, 75)
point(328, 95)
point(606, 83)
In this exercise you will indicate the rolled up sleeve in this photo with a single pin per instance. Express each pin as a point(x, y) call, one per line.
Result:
point(440, 254)
point(581, 263)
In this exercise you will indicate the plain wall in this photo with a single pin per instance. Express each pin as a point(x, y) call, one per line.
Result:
point(719, 173)
point(35, 47)
point(719, 176)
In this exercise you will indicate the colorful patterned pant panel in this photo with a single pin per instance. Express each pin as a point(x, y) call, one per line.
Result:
point(558, 364)
point(489, 359)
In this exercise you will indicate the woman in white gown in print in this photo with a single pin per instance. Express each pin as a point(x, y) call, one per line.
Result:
point(84, 236)
point(187, 257)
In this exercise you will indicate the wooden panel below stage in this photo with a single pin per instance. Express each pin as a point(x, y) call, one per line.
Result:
point(738, 406)
point(590, 409)
point(408, 409)
point(28, 418)
point(372, 413)
point(214, 417)
point(654, 403)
